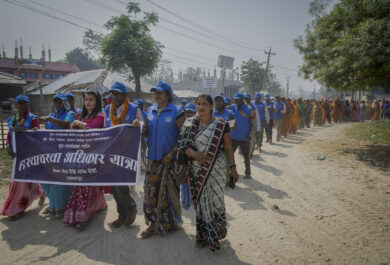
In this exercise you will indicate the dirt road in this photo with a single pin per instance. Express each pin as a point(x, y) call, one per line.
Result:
point(295, 210)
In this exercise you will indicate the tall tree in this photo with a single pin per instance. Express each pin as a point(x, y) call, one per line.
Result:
point(348, 47)
point(253, 75)
point(130, 46)
point(82, 59)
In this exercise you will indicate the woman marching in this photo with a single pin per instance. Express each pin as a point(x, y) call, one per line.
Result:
point(162, 198)
point(60, 118)
point(86, 201)
point(205, 142)
point(20, 194)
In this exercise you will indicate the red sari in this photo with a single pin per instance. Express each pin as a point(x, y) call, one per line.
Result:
point(85, 201)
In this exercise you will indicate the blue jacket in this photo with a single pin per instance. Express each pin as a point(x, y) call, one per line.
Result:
point(260, 108)
point(162, 130)
point(281, 107)
point(225, 114)
point(64, 115)
point(270, 112)
point(243, 124)
point(130, 116)
point(27, 123)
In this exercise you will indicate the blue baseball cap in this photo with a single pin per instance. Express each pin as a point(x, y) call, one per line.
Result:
point(238, 95)
point(267, 96)
point(190, 106)
point(139, 102)
point(60, 96)
point(247, 95)
point(227, 101)
point(257, 95)
point(22, 97)
point(162, 86)
point(184, 101)
point(69, 94)
point(219, 96)
point(277, 96)
point(118, 87)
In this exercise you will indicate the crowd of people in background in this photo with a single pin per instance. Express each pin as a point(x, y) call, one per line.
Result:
point(187, 152)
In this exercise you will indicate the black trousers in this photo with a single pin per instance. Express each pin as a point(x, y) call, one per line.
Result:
point(244, 146)
point(260, 134)
point(268, 130)
point(125, 205)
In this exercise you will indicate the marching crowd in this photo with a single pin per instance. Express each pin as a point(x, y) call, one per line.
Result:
point(187, 152)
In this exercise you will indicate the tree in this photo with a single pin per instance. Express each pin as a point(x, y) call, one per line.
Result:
point(92, 42)
point(347, 48)
point(129, 46)
point(82, 59)
point(273, 85)
point(253, 75)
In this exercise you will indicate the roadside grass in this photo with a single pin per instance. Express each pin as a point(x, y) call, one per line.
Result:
point(5, 167)
point(377, 132)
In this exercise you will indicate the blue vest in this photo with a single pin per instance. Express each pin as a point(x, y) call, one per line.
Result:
point(26, 124)
point(225, 114)
point(130, 115)
point(260, 108)
point(243, 124)
point(270, 112)
point(278, 106)
point(162, 130)
point(61, 115)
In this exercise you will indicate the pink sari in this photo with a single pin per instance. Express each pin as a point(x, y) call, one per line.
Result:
point(85, 201)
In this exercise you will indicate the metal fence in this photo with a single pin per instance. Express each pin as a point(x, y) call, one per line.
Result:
point(3, 128)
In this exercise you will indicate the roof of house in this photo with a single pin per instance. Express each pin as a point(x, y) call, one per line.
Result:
point(99, 80)
point(11, 79)
point(47, 66)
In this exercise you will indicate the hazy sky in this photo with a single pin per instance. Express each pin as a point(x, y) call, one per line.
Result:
point(257, 24)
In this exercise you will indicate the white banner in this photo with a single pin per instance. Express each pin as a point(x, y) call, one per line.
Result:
point(209, 82)
point(225, 62)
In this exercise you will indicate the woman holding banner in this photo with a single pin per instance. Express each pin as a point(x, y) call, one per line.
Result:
point(86, 201)
point(20, 194)
point(162, 198)
point(205, 142)
point(60, 118)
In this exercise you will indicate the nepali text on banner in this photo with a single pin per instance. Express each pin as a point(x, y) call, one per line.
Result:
point(96, 157)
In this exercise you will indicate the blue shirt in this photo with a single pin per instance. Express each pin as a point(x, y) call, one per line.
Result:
point(225, 114)
point(162, 130)
point(260, 108)
point(243, 124)
point(130, 115)
point(64, 115)
point(278, 106)
point(27, 124)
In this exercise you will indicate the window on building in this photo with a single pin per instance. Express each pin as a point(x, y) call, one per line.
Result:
point(47, 76)
point(33, 75)
point(57, 76)
point(23, 74)
point(8, 72)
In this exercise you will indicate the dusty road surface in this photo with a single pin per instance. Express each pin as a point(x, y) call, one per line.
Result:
point(295, 210)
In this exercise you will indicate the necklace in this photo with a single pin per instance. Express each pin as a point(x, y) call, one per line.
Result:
point(203, 123)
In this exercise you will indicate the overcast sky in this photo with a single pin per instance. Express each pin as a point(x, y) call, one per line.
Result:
point(256, 24)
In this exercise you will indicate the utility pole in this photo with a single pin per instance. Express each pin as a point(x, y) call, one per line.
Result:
point(287, 86)
point(269, 53)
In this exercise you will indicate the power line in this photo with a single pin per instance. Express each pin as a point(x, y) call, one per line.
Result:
point(227, 38)
point(66, 14)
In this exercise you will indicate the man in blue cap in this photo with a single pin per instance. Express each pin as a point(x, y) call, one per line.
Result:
point(279, 111)
point(183, 103)
point(247, 99)
point(262, 112)
point(71, 101)
point(122, 111)
point(220, 110)
point(268, 128)
point(227, 102)
point(190, 110)
point(245, 129)
point(140, 103)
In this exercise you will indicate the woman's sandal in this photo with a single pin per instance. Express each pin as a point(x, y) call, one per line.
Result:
point(148, 232)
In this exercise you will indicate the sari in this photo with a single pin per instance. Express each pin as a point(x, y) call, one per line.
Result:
point(318, 115)
point(85, 201)
point(20, 194)
point(285, 126)
point(207, 181)
point(297, 115)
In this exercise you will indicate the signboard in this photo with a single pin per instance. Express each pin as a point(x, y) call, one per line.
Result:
point(210, 82)
point(96, 157)
point(225, 62)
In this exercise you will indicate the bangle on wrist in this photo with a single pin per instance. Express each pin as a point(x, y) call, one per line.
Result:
point(188, 151)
